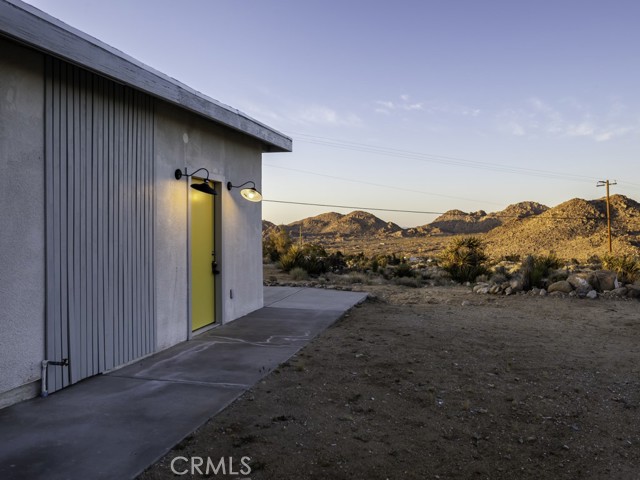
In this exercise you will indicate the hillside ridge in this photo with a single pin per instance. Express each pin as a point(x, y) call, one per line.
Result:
point(575, 228)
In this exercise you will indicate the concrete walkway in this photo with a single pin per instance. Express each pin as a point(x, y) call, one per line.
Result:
point(114, 426)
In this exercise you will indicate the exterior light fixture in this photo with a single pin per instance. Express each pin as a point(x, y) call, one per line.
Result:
point(248, 193)
point(201, 187)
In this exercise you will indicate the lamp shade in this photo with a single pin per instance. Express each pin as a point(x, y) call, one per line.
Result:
point(251, 194)
point(204, 187)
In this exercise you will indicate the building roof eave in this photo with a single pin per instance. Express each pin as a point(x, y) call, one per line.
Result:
point(28, 25)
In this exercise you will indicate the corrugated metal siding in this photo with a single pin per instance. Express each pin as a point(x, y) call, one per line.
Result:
point(99, 223)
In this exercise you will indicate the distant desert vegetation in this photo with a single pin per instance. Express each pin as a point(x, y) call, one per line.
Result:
point(575, 229)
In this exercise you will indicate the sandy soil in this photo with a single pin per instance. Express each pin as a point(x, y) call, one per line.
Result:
point(441, 383)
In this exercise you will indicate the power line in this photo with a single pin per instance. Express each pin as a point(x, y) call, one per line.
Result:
point(351, 207)
point(404, 189)
point(441, 159)
point(417, 156)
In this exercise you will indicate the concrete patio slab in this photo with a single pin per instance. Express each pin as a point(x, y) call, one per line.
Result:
point(238, 354)
point(275, 294)
point(116, 425)
point(104, 427)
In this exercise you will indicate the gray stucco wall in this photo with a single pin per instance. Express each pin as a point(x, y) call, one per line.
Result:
point(185, 140)
point(22, 252)
point(182, 139)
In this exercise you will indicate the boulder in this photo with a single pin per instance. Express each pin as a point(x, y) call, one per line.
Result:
point(619, 292)
point(592, 294)
point(605, 280)
point(562, 286)
point(633, 291)
point(579, 282)
point(543, 292)
point(515, 284)
point(558, 274)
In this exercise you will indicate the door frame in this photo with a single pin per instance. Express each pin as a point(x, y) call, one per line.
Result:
point(217, 245)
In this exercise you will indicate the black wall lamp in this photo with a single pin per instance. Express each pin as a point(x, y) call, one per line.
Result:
point(201, 187)
point(249, 193)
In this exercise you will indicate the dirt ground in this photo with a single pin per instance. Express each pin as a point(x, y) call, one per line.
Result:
point(441, 383)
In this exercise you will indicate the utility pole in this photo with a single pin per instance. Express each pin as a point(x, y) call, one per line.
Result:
point(606, 183)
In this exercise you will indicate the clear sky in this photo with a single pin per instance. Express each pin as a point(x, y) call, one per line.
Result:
point(425, 105)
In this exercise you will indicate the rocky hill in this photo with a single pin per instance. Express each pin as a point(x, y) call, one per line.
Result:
point(573, 229)
point(267, 225)
point(356, 223)
point(458, 222)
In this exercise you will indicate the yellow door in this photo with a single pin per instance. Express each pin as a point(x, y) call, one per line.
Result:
point(202, 258)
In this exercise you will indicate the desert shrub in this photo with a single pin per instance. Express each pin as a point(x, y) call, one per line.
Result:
point(314, 249)
point(393, 259)
point(298, 273)
point(464, 259)
point(536, 268)
point(425, 273)
point(501, 270)
point(498, 278)
point(512, 257)
point(413, 282)
point(309, 257)
point(439, 278)
point(275, 244)
point(315, 257)
point(500, 274)
point(382, 260)
point(349, 278)
point(549, 262)
point(543, 265)
point(375, 265)
point(336, 262)
point(354, 277)
point(403, 270)
point(594, 260)
point(358, 262)
point(292, 258)
point(626, 266)
point(268, 249)
point(378, 263)
point(314, 264)
point(526, 271)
